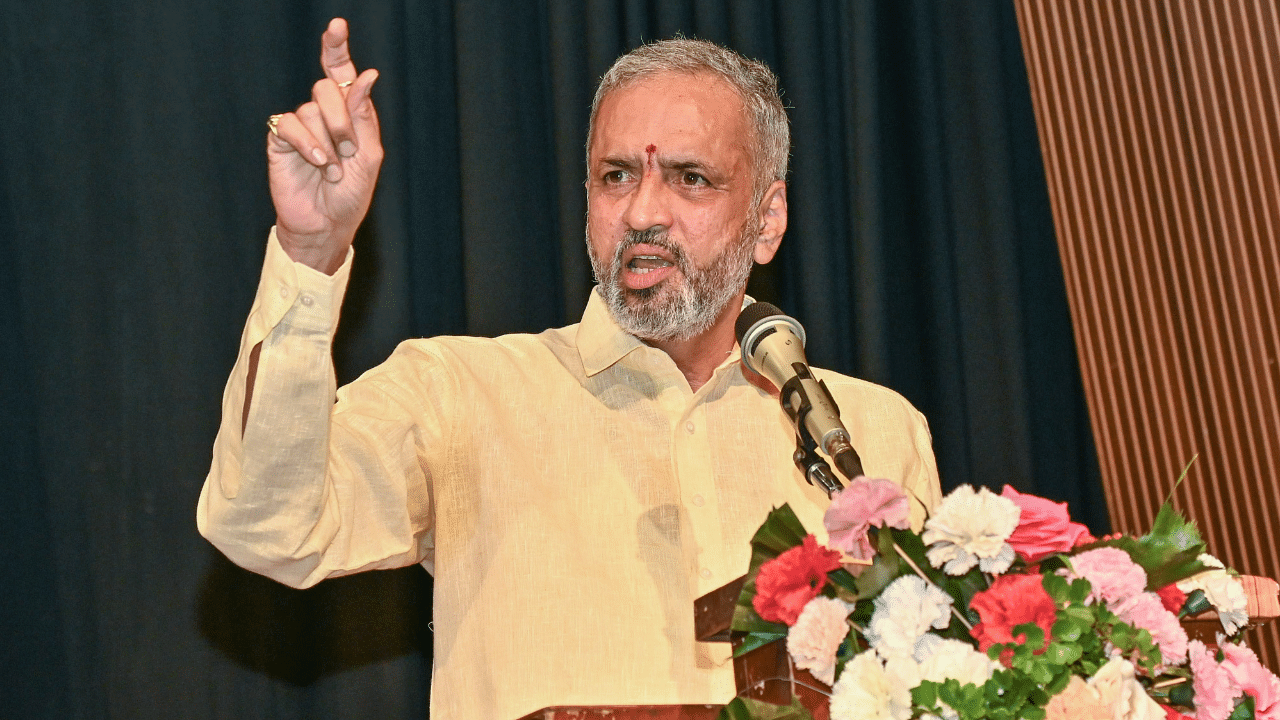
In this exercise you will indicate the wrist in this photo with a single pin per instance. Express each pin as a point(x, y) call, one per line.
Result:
point(325, 255)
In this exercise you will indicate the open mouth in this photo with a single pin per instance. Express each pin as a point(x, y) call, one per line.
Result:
point(641, 264)
point(646, 265)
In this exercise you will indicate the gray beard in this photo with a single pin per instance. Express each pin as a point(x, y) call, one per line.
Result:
point(682, 306)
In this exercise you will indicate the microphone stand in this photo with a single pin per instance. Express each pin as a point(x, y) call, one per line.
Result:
point(797, 405)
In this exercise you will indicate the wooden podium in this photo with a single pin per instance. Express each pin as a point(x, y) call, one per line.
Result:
point(767, 674)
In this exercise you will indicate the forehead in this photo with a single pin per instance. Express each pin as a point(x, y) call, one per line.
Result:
point(676, 112)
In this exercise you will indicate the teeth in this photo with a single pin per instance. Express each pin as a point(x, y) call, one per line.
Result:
point(645, 263)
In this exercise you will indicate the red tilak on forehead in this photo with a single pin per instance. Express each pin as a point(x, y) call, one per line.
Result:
point(651, 150)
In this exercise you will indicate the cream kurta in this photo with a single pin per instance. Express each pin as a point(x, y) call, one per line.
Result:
point(570, 494)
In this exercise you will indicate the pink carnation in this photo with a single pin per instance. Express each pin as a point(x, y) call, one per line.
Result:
point(1044, 527)
point(856, 508)
point(1147, 612)
point(1214, 691)
point(1115, 577)
point(1250, 676)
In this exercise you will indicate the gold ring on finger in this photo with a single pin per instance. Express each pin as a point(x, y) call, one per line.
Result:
point(273, 124)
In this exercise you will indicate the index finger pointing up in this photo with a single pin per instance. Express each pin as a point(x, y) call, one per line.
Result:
point(334, 56)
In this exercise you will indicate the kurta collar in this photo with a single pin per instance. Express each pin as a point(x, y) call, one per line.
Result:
point(601, 343)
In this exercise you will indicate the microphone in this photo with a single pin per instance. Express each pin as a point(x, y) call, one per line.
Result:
point(773, 346)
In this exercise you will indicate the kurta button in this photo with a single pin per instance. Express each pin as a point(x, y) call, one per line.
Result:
point(306, 300)
point(697, 500)
point(690, 427)
point(705, 573)
point(284, 291)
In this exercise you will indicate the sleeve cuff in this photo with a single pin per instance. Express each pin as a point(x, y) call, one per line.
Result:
point(297, 295)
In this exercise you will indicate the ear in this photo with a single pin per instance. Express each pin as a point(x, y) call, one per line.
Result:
point(772, 216)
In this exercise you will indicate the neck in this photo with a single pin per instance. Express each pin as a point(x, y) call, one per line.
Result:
point(699, 356)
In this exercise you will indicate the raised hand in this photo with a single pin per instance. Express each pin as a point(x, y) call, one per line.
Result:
point(323, 159)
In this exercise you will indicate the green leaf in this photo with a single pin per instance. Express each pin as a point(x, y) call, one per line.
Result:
point(746, 619)
point(862, 612)
point(1062, 653)
point(1171, 529)
point(1177, 567)
point(1059, 684)
point(780, 531)
point(755, 640)
point(964, 587)
point(1169, 552)
point(886, 568)
point(1244, 709)
point(1034, 639)
point(1123, 636)
point(1183, 694)
point(1057, 587)
point(1067, 629)
point(747, 709)
point(925, 695)
point(1079, 591)
point(913, 546)
point(1082, 613)
point(843, 580)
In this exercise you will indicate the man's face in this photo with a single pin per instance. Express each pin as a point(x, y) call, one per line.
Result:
point(671, 228)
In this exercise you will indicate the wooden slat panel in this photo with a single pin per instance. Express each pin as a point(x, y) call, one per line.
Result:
point(1160, 124)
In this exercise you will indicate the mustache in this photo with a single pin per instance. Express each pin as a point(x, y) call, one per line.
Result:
point(657, 237)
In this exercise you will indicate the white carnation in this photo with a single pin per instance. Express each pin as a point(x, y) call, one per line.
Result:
point(813, 641)
point(943, 659)
point(1223, 591)
point(904, 612)
point(868, 690)
point(940, 659)
point(971, 528)
point(1116, 685)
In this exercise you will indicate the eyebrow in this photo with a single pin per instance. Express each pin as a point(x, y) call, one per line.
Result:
point(619, 162)
point(624, 162)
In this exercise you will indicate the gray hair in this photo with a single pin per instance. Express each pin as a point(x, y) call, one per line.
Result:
point(753, 81)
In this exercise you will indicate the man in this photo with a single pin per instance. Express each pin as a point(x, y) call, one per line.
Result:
point(574, 491)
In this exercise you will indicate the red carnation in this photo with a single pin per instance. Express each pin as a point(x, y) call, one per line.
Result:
point(1172, 598)
point(1011, 601)
point(788, 582)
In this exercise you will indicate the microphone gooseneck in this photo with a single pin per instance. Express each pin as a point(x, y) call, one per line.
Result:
point(773, 346)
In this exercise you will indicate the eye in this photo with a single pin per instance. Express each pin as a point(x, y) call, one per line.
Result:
point(693, 179)
point(614, 177)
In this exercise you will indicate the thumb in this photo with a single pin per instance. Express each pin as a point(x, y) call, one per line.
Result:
point(360, 104)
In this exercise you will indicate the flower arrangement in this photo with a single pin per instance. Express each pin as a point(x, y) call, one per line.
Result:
point(1003, 608)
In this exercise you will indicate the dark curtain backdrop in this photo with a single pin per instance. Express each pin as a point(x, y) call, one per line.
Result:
point(134, 213)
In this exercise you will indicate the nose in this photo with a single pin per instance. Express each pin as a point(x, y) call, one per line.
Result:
point(649, 203)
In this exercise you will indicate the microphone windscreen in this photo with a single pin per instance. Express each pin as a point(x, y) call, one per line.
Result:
point(752, 314)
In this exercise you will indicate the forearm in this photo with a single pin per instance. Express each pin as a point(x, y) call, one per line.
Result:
point(289, 485)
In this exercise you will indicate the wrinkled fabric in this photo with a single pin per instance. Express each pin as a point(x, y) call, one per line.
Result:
point(569, 492)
